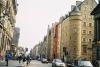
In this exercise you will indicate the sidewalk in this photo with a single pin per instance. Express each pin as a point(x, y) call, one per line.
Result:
point(12, 63)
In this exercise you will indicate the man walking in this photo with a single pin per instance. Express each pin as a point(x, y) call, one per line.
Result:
point(20, 58)
point(28, 59)
point(7, 57)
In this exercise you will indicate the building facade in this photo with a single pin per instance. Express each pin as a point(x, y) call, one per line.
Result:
point(71, 38)
point(49, 43)
point(75, 20)
point(87, 32)
point(77, 32)
point(55, 40)
point(82, 32)
point(15, 41)
point(65, 38)
point(96, 41)
point(8, 11)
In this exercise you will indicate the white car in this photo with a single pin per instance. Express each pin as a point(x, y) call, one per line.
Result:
point(84, 64)
point(44, 60)
point(58, 63)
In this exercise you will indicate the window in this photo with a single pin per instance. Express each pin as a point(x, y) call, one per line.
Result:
point(90, 40)
point(70, 37)
point(84, 39)
point(84, 31)
point(84, 23)
point(90, 24)
point(84, 49)
point(90, 32)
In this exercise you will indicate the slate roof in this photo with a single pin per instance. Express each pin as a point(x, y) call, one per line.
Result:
point(76, 8)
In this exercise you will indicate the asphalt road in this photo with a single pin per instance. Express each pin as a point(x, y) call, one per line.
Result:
point(35, 63)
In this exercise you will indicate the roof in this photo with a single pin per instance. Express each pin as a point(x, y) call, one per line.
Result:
point(76, 8)
point(96, 10)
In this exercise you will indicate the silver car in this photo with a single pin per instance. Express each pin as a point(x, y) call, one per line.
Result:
point(58, 63)
point(44, 60)
point(84, 64)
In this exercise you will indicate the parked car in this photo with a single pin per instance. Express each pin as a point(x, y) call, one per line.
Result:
point(58, 63)
point(81, 64)
point(44, 60)
point(85, 64)
point(39, 59)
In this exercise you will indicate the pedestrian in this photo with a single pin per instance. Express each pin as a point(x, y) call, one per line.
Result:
point(19, 58)
point(24, 59)
point(28, 59)
point(7, 57)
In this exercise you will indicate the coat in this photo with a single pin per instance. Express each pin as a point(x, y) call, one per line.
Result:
point(7, 57)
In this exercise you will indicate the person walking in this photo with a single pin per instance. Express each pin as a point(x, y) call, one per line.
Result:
point(24, 59)
point(20, 58)
point(28, 59)
point(7, 58)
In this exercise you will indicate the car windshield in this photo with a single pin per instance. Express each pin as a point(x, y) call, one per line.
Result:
point(58, 60)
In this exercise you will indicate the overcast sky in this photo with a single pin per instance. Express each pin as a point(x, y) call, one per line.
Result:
point(34, 16)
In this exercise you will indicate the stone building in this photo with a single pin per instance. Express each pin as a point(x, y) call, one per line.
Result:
point(8, 11)
point(15, 40)
point(82, 32)
point(45, 47)
point(49, 43)
point(96, 41)
point(77, 32)
point(75, 20)
point(16, 36)
point(71, 38)
point(52, 40)
point(64, 38)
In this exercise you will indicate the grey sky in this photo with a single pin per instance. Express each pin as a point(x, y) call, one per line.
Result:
point(34, 16)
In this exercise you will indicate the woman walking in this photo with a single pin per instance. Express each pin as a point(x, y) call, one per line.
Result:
point(7, 58)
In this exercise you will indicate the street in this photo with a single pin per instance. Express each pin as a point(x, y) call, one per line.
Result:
point(65, 33)
point(11, 63)
point(35, 63)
